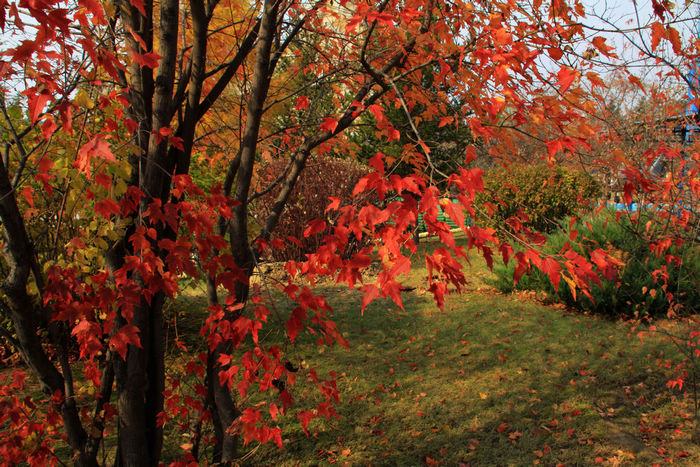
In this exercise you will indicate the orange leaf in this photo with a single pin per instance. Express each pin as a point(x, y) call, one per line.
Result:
point(106, 208)
point(370, 293)
point(658, 32)
point(552, 269)
point(28, 194)
point(353, 23)
point(599, 43)
point(329, 124)
point(127, 334)
point(502, 36)
point(95, 148)
point(392, 134)
point(675, 40)
point(566, 77)
point(315, 226)
point(402, 265)
point(444, 121)
point(295, 324)
point(636, 81)
point(555, 53)
point(594, 78)
point(148, 60)
point(48, 128)
point(274, 411)
point(36, 105)
point(377, 112)
point(333, 205)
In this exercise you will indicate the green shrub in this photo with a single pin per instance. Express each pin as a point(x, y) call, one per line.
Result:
point(638, 289)
point(544, 195)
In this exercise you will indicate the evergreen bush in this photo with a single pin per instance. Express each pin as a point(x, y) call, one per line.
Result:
point(644, 284)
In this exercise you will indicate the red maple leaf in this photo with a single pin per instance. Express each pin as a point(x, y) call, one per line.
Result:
point(127, 334)
point(329, 124)
point(302, 103)
point(565, 78)
point(96, 148)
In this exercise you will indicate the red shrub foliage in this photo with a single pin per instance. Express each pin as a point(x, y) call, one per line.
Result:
point(324, 177)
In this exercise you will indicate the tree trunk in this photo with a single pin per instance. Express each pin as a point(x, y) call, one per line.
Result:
point(141, 379)
point(140, 397)
point(222, 402)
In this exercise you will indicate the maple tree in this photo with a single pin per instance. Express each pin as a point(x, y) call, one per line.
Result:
point(117, 98)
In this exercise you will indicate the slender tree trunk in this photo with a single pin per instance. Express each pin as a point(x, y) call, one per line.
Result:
point(226, 412)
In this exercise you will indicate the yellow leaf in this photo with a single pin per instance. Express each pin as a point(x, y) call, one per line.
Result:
point(82, 99)
point(109, 8)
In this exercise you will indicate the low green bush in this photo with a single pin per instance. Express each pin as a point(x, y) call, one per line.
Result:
point(639, 290)
point(544, 195)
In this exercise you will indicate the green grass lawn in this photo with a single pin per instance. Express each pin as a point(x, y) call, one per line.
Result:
point(493, 380)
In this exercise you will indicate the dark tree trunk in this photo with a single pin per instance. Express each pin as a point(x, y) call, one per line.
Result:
point(222, 402)
point(142, 377)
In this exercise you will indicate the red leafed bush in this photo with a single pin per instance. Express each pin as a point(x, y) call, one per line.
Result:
point(323, 177)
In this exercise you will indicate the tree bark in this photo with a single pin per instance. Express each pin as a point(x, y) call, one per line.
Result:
point(143, 375)
point(222, 402)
